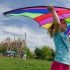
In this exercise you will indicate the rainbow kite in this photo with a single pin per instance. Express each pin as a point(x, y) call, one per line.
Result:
point(42, 15)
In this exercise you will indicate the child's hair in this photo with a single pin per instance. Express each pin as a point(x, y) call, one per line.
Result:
point(63, 20)
point(51, 29)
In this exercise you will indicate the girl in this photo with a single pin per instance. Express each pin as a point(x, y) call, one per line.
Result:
point(56, 31)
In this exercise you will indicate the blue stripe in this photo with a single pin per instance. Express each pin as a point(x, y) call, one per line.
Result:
point(42, 11)
point(68, 29)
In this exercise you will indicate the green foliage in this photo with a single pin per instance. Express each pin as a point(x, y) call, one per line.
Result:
point(47, 53)
point(29, 54)
point(38, 53)
point(2, 49)
point(44, 53)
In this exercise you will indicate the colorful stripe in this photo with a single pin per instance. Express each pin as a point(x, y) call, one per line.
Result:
point(47, 25)
point(45, 16)
point(68, 30)
point(67, 20)
point(30, 15)
point(41, 11)
point(42, 15)
point(35, 9)
point(50, 20)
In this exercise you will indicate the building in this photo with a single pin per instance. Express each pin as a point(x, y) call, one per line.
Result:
point(14, 45)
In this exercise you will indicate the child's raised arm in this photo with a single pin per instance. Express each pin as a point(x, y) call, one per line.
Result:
point(56, 20)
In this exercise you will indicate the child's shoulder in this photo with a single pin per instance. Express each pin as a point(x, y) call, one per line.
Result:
point(57, 34)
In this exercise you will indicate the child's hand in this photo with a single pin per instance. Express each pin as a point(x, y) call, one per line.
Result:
point(50, 8)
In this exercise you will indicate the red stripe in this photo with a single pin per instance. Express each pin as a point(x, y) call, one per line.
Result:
point(45, 16)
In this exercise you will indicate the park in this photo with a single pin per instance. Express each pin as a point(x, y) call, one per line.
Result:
point(20, 64)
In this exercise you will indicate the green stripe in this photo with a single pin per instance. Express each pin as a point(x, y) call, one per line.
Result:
point(31, 15)
point(68, 20)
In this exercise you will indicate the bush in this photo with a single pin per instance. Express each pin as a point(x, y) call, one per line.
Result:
point(38, 53)
point(29, 54)
point(2, 49)
point(44, 53)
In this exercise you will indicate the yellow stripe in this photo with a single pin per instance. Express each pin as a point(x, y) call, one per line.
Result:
point(47, 25)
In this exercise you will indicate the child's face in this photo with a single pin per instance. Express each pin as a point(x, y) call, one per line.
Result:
point(63, 26)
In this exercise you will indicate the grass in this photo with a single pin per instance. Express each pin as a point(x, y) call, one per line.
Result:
point(20, 64)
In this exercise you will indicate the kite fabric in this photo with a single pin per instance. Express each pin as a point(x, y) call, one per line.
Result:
point(42, 15)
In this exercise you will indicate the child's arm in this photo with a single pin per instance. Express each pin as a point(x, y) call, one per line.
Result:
point(56, 20)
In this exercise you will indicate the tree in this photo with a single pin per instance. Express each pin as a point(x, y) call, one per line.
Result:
point(2, 49)
point(44, 53)
point(29, 53)
point(38, 53)
point(47, 53)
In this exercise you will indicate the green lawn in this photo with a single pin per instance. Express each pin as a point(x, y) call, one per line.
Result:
point(20, 64)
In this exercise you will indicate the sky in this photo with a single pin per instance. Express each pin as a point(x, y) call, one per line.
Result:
point(17, 26)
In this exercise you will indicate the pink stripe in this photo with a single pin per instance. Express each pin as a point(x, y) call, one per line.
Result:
point(46, 21)
point(66, 15)
point(50, 20)
point(58, 9)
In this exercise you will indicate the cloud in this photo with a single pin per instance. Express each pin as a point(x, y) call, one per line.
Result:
point(67, 3)
point(16, 26)
point(33, 39)
point(19, 3)
point(3, 8)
